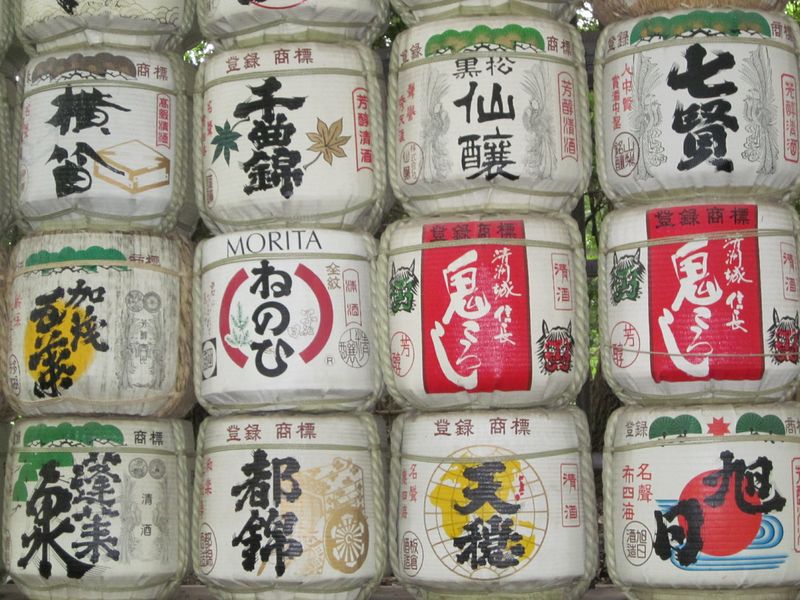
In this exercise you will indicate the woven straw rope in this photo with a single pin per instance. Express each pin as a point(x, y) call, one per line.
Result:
point(379, 527)
point(261, 34)
point(412, 204)
point(630, 396)
point(173, 402)
point(163, 590)
point(580, 320)
point(572, 591)
point(610, 539)
point(305, 405)
point(172, 41)
point(446, 9)
point(668, 195)
point(98, 220)
point(370, 211)
point(609, 12)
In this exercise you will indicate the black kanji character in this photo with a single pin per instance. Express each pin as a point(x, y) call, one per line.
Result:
point(688, 541)
point(496, 545)
point(754, 478)
point(47, 503)
point(266, 284)
point(267, 101)
point(98, 538)
point(274, 532)
point(486, 490)
point(282, 351)
point(85, 107)
point(496, 108)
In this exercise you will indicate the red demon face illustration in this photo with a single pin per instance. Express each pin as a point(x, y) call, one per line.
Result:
point(555, 348)
point(784, 341)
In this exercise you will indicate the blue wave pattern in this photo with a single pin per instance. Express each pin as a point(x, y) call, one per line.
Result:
point(752, 558)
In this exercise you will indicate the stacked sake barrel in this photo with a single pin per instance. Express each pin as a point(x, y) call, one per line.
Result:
point(697, 148)
point(97, 350)
point(289, 500)
point(483, 303)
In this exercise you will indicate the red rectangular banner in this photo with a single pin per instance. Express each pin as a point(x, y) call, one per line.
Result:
point(475, 309)
point(705, 294)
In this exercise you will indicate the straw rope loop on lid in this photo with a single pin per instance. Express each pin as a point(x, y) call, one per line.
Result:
point(416, 11)
point(47, 25)
point(246, 26)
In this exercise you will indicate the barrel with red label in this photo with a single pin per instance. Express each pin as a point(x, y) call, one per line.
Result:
point(703, 501)
point(414, 11)
point(498, 503)
point(489, 114)
point(104, 140)
point(486, 311)
point(99, 323)
point(699, 302)
point(610, 11)
point(46, 25)
point(248, 22)
point(289, 505)
point(97, 508)
point(698, 103)
point(290, 133)
point(284, 321)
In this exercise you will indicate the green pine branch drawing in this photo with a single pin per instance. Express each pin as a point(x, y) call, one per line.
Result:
point(239, 336)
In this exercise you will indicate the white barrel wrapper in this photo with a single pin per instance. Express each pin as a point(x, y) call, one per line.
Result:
point(700, 302)
point(698, 102)
point(290, 132)
point(483, 312)
point(99, 323)
point(104, 140)
point(413, 11)
point(5, 430)
point(97, 508)
point(609, 11)
point(488, 114)
point(235, 24)
point(704, 501)
point(46, 25)
point(289, 507)
point(521, 481)
point(284, 320)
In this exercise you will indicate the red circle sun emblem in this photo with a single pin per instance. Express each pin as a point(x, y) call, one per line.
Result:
point(726, 529)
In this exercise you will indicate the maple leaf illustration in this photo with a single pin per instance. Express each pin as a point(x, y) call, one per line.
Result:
point(225, 141)
point(328, 141)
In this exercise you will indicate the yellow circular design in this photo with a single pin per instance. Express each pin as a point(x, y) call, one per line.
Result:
point(79, 357)
point(347, 539)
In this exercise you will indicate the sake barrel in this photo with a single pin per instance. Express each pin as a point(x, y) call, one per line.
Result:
point(234, 25)
point(103, 141)
point(413, 11)
point(46, 25)
point(289, 506)
point(699, 103)
point(488, 114)
point(99, 323)
point(609, 11)
point(97, 509)
point(485, 311)
point(493, 502)
point(702, 501)
point(290, 132)
point(699, 302)
point(5, 429)
point(284, 321)
point(6, 26)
